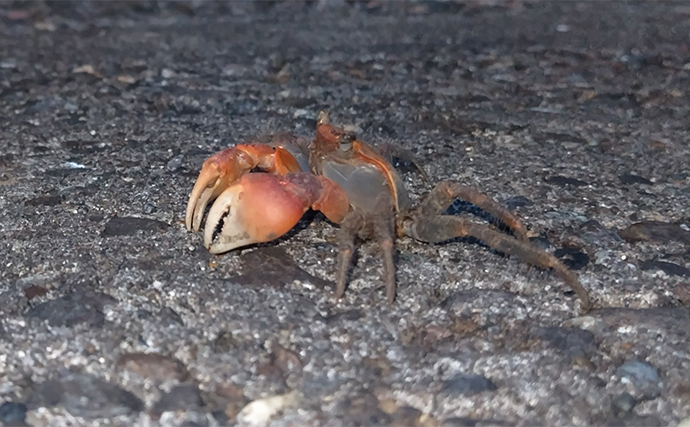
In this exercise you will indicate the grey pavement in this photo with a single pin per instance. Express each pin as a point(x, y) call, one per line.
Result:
point(574, 115)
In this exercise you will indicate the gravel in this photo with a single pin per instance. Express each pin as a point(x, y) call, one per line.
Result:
point(574, 115)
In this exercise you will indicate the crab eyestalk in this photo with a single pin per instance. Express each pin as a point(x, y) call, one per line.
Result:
point(261, 207)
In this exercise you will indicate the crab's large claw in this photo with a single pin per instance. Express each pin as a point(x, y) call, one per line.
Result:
point(225, 167)
point(261, 207)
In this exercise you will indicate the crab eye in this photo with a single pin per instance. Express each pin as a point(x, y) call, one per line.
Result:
point(346, 141)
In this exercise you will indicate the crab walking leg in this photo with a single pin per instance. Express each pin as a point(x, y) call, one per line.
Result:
point(226, 167)
point(445, 227)
point(349, 228)
point(446, 192)
point(384, 231)
point(261, 207)
point(380, 225)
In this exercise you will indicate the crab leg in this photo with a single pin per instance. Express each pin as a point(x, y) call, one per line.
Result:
point(445, 193)
point(384, 231)
point(261, 207)
point(349, 228)
point(379, 225)
point(226, 167)
point(446, 227)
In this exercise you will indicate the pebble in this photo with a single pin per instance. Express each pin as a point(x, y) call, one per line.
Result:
point(642, 375)
point(573, 258)
point(174, 164)
point(71, 107)
point(623, 404)
point(226, 402)
point(34, 291)
point(366, 410)
point(148, 208)
point(655, 231)
point(13, 414)
point(260, 411)
point(467, 385)
point(284, 359)
point(601, 256)
point(272, 266)
point(682, 292)
point(87, 396)
point(169, 316)
point(73, 309)
point(541, 242)
point(185, 397)
point(594, 233)
point(670, 268)
point(153, 366)
point(574, 342)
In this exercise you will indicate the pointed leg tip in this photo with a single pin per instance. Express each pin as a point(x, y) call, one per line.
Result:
point(390, 295)
point(391, 292)
point(189, 214)
point(586, 305)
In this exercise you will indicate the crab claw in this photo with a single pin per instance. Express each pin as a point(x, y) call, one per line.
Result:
point(261, 207)
point(227, 166)
point(210, 183)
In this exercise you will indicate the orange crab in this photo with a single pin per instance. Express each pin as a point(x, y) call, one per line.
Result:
point(352, 185)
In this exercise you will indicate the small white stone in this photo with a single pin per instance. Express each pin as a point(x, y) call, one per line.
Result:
point(301, 112)
point(260, 411)
point(73, 165)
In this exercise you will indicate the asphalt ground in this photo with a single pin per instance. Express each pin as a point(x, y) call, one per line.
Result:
point(574, 115)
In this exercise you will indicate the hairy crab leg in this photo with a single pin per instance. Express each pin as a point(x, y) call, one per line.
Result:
point(445, 227)
point(227, 166)
point(438, 200)
point(261, 207)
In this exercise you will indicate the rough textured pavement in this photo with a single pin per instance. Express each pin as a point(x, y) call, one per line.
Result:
point(576, 116)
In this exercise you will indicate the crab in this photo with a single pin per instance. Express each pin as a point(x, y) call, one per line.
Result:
point(261, 190)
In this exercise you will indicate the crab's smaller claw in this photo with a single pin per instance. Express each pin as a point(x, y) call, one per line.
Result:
point(225, 167)
point(261, 207)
